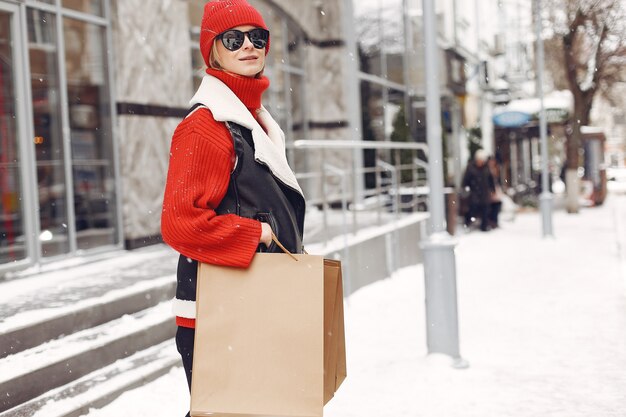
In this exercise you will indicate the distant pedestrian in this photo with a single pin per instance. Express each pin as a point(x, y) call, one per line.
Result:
point(495, 204)
point(479, 182)
point(229, 186)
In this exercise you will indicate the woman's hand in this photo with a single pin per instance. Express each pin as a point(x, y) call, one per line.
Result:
point(266, 234)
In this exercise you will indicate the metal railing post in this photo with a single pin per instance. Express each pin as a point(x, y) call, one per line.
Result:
point(378, 191)
point(356, 197)
point(545, 200)
point(395, 245)
point(324, 198)
point(344, 227)
point(394, 181)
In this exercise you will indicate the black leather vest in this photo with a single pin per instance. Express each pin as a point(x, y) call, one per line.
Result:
point(255, 193)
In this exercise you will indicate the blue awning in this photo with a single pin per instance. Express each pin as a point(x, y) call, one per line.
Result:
point(511, 119)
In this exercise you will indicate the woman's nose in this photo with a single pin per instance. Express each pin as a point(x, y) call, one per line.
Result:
point(247, 43)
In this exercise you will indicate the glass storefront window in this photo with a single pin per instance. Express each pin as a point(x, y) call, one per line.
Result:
point(372, 117)
point(381, 47)
point(381, 38)
point(49, 154)
point(85, 6)
point(69, 202)
point(399, 130)
point(90, 132)
point(372, 111)
point(384, 44)
point(12, 242)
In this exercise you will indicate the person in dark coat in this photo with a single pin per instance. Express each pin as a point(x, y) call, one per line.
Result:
point(479, 182)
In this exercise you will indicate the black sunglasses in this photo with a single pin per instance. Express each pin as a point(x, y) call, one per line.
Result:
point(233, 39)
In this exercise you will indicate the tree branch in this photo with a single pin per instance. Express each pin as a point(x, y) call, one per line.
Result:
point(599, 69)
point(570, 61)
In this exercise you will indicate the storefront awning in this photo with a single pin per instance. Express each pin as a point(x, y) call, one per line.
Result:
point(519, 113)
point(511, 119)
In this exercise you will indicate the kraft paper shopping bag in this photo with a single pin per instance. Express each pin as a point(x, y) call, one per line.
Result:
point(259, 344)
point(334, 338)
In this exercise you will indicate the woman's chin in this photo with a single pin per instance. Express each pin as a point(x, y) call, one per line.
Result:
point(249, 68)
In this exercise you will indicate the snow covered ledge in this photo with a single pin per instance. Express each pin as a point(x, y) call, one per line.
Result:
point(374, 253)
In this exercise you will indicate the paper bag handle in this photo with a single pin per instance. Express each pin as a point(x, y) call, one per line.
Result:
point(284, 249)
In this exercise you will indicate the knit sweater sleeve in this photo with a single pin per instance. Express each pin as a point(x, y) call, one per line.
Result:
point(201, 159)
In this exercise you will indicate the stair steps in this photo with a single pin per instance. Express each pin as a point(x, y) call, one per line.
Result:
point(66, 331)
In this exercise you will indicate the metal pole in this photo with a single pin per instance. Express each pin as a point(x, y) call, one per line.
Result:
point(442, 330)
point(545, 199)
point(352, 93)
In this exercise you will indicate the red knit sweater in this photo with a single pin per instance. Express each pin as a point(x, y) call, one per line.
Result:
point(201, 160)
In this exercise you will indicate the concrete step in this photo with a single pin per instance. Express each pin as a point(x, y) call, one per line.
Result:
point(35, 371)
point(51, 324)
point(44, 306)
point(102, 386)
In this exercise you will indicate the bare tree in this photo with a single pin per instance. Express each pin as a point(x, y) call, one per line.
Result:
point(588, 54)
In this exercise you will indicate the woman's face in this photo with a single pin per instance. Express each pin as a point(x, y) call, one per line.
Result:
point(247, 60)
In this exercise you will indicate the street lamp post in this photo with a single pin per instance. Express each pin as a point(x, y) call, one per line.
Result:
point(545, 199)
point(442, 329)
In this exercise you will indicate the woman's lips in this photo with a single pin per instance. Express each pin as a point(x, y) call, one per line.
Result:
point(248, 58)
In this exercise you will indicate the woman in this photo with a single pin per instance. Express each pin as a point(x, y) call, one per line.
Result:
point(229, 186)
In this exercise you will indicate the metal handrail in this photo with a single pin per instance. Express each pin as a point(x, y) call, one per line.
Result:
point(329, 182)
point(350, 144)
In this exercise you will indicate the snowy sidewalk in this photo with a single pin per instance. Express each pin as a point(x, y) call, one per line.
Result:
point(542, 324)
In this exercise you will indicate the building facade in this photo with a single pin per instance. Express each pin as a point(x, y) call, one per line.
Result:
point(92, 90)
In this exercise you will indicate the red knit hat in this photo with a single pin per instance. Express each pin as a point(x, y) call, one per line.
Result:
point(221, 15)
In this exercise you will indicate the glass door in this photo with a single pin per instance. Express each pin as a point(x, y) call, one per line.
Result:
point(90, 126)
point(50, 152)
point(14, 246)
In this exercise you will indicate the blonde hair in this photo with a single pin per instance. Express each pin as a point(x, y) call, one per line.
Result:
point(214, 57)
point(214, 60)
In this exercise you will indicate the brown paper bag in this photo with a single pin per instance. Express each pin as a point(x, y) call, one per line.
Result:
point(334, 337)
point(259, 345)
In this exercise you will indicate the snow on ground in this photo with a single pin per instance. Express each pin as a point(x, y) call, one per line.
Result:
point(542, 324)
